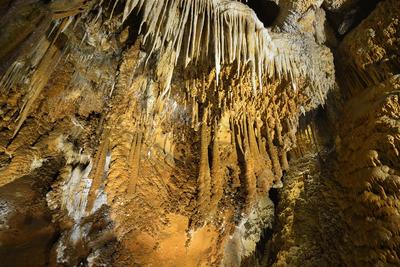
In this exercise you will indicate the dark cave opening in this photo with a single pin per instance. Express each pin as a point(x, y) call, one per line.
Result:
point(266, 11)
point(306, 119)
point(132, 22)
point(261, 250)
point(365, 9)
point(346, 20)
point(274, 195)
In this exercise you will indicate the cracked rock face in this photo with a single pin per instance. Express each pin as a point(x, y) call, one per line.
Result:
point(199, 133)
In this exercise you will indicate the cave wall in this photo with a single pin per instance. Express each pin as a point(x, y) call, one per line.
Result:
point(144, 133)
point(345, 213)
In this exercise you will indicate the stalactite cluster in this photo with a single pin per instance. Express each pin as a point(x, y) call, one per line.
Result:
point(259, 137)
point(230, 32)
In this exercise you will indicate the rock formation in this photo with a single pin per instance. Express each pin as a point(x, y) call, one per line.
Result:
point(199, 133)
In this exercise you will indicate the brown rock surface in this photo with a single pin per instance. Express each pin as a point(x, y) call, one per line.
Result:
point(199, 133)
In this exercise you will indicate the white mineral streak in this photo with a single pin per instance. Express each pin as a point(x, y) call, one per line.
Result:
point(75, 196)
point(74, 191)
point(230, 32)
point(37, 163)
point(61, 255)
point(243, 241)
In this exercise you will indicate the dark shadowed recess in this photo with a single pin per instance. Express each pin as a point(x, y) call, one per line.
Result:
point(266, 11)
point(27, 233)
point(261, 253)
point(346, 20)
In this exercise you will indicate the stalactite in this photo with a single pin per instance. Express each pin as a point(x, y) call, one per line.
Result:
point(250, 177)
point(204, 178)
point(283, 154)
point(195, 114)
point(237, 36)
point(262, 163)
point(239, 135)
point(291, 130)
point(12, 76)
point(134, 161)
point(274, 156)
point(234, 147)
point(253, 143)
point(262, 144)
point(39, 81)
point(217, 173)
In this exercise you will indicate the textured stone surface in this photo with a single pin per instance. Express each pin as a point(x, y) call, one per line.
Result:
point(166, 147)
